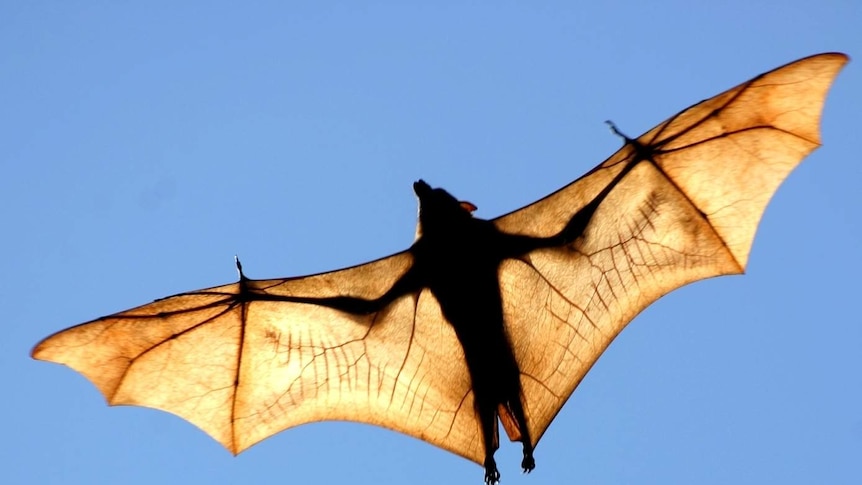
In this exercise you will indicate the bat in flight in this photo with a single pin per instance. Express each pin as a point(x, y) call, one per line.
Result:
point(479, 322)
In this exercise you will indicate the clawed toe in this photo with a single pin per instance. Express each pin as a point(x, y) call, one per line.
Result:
point(528, 464)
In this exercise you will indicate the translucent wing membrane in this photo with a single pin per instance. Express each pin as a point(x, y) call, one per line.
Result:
point(689, 213)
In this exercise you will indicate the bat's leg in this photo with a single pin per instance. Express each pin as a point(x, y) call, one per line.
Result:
point(528, 463)
point(486, 410)
point(489, 433)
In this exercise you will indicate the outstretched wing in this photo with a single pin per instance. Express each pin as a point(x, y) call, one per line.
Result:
point(687, 209)
point(242, 368)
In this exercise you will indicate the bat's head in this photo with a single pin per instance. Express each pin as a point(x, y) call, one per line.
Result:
point(438, 210)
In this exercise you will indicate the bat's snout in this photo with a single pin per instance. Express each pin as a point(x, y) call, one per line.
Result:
point(421, 188)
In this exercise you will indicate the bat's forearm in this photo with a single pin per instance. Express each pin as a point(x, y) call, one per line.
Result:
point(408, 283)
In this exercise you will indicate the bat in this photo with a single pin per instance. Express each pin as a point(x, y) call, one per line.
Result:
point(479, 323)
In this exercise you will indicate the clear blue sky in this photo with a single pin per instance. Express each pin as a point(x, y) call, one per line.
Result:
point(143, 146)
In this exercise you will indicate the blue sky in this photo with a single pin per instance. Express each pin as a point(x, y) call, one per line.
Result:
point(144, 145)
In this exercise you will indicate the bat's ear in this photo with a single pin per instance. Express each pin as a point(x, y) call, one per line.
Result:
point(468, 206)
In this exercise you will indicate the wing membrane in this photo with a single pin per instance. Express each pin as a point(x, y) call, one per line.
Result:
point(243, 369)
point(689, 213)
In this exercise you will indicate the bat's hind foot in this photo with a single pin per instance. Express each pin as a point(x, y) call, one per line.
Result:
point(528, 463)
point(492, 475)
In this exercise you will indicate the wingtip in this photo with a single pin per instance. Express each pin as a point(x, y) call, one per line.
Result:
point(831, 54)
point(840, 58)
point(841, 55)
point(36, 350)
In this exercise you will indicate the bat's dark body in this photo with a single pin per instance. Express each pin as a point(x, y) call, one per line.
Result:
point(457, 258)
point(479, 321)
